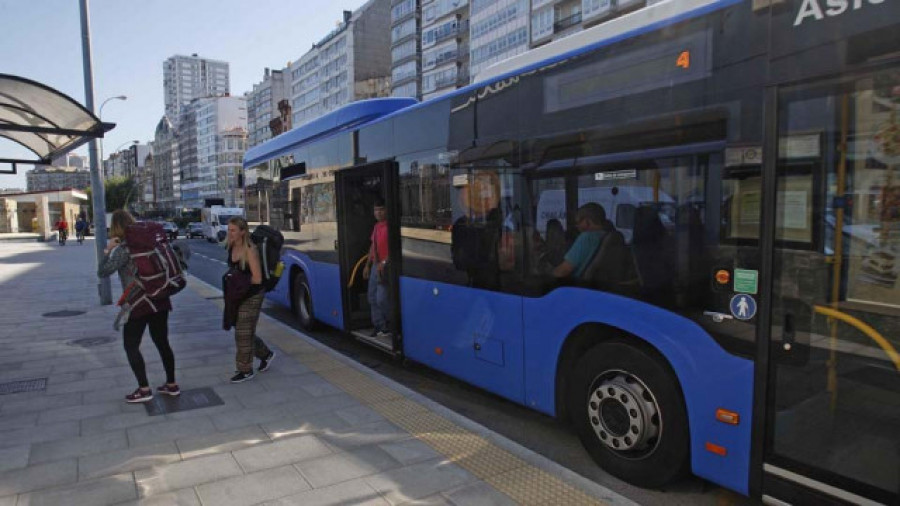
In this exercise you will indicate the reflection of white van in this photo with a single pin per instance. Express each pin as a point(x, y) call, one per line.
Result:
point(552, 205)
point(215, 221)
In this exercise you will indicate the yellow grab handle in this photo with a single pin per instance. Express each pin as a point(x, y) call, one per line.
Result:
point(865, 329)
point(356, 268)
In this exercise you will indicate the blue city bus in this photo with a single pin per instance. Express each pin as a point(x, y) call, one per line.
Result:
point(739, 318)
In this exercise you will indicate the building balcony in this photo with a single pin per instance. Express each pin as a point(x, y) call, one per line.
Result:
point(568, 22)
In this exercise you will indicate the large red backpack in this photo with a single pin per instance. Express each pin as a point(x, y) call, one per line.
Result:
point(158, 271)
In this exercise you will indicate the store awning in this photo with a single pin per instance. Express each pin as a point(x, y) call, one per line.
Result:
point(43, 120)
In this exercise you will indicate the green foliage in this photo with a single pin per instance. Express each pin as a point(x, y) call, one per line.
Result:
point(117, 190)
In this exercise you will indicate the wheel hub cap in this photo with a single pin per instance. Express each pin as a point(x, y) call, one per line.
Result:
point(624, 413)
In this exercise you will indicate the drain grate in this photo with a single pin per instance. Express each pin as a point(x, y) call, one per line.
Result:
point(189, 399)
point(15, 387)
point(62, 314)
point(90, 342)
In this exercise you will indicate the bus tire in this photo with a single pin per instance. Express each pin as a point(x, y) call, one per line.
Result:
point(302, 301)
point(628, 411)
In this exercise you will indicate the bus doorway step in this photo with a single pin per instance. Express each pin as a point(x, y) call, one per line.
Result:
point(383, 342)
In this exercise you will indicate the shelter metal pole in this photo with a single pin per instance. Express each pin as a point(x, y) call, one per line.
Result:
point(98, 193)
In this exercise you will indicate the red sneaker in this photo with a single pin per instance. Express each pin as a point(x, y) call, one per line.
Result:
point(139, 395)
point(169, 390)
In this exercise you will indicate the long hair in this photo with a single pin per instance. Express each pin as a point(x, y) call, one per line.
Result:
point(243, 242)
point(120, 221)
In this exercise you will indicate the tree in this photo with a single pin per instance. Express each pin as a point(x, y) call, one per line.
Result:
point(117, 190)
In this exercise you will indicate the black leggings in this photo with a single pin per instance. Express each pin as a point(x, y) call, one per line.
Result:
point(159, 332)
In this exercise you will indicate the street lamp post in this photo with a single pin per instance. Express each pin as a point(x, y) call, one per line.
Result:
point(100, 117)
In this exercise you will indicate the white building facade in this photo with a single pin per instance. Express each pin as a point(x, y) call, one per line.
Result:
point(445, 46)
point(498, 30)
point(351, 63)
point(220, 124)
point(188, 77)
point(262, 105)
point(406, 48)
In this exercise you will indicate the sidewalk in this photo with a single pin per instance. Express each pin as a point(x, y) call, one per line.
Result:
point(316, 428)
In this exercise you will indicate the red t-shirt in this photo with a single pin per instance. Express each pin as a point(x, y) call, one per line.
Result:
point(380, 239)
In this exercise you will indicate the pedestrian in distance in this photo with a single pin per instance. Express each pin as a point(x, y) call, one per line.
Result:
point(244, 294)
point(80, 228)
point(118, 259)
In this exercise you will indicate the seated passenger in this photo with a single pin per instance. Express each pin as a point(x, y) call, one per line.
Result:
point(593, 227)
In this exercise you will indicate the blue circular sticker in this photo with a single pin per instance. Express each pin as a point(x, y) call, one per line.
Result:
point(743, 306)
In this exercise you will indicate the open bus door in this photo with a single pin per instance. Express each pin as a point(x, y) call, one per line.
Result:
point(357, 190)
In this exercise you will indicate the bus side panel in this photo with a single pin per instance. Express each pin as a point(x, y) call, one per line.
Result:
point(471, 334)
point(710, 377)
point(325, 285)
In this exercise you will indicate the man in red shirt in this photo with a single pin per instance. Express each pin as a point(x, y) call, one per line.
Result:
point(377, 273)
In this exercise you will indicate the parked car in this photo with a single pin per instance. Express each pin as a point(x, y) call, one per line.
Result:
point(171, 229)
point(194, 230)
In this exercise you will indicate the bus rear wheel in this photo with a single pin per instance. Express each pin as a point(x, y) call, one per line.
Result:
point(629, 414)
point(302, 302)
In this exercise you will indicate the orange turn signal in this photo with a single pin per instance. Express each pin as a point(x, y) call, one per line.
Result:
point(722, 277)
point(727, 416)
point(438, 351)
point(718, 450)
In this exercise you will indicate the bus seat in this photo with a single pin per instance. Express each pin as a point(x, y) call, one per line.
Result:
point(612, 268)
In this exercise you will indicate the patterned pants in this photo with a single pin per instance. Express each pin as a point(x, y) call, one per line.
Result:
point(248, 344)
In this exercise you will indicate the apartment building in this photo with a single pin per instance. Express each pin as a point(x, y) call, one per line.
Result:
point(262, 105)
point(188, 77)
point(44, 178)
point(445, 46)
point(352, 62)
point(406, 48)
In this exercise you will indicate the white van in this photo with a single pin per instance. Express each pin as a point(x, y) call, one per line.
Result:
point(215, 221)
point(552, 205)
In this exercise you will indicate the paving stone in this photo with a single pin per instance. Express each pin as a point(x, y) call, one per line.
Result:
point(109, 490)
point(78, 412)
point(318, 387)
point(419, 480)
point(373, 433)
point(40, 433)
point(336, 468)
point(38, 403)
point(183, 497)
point(9, 500)
point(129, 459)
point(90, 385)
point(409, 451)
point(299, 425)
point(478, 494)
point(222, 442)
point(253, 488)
point(14, 421)
point(169, 431)
point(167, 478)
point(432, 500)
point(120, 421)
point(78, 447)
point(359, 415)
point(41, 476)
point(356, 492)
point(243, 418)
point(14, 457)
point(279, 453)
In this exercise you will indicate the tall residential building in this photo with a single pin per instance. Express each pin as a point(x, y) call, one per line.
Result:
point(44, 178)
point(188, 77)
point(351, 63)
point(498, 30)
point(406, 48)
point(445, 46)
point(214, 169)
point(555, 19)
point(166, 171)
point(262, 105)
point(71, 160)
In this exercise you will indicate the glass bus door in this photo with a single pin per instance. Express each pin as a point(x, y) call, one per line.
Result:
point(833, 412)
point(357, 191)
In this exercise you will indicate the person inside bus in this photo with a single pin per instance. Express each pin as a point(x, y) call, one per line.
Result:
point(377, 272)
point(551, 251)
point(593, 227)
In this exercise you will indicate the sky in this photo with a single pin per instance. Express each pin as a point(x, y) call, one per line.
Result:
point(41, 40)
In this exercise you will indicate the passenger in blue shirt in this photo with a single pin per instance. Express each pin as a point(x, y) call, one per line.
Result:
point(591, 223)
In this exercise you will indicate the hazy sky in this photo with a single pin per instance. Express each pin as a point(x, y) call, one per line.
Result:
point(41, 40)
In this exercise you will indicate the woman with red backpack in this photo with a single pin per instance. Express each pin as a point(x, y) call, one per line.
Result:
point(142, 315)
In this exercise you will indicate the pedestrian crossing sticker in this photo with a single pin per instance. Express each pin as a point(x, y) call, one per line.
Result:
point(743, 306)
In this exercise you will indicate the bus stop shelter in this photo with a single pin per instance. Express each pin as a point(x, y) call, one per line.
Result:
point(43, 120)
